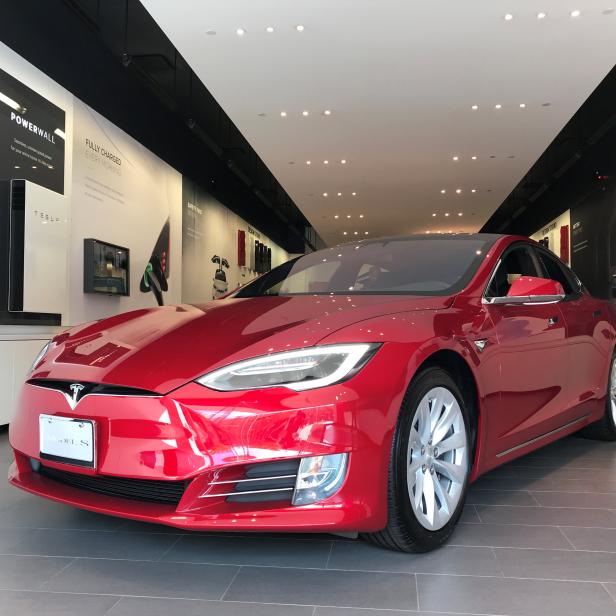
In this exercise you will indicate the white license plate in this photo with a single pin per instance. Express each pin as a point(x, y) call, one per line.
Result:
point(67, 440)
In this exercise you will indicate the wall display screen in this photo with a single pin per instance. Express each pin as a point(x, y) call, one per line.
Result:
point(31, 136)
point(105, 268)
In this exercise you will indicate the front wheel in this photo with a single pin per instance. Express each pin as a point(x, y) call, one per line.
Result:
point(430, 466)
point(605, 428)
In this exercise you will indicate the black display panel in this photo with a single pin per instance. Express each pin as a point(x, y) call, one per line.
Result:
point(106, 268)
point(31, 136)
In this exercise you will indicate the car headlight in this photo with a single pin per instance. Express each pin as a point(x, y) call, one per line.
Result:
point(297, 370)
point(40, 356)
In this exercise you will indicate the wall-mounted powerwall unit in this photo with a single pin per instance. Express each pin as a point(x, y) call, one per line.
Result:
point(37, 247)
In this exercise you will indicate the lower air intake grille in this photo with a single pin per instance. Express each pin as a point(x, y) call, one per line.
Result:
point(265, 482)
point(167, 492)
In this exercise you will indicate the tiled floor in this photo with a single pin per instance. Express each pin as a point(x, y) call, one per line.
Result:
point(538, 537)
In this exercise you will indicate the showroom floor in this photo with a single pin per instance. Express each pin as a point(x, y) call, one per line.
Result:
point(538, 537)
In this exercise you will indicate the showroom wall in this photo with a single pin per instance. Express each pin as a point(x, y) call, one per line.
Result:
point(100, 184)
point(556, 236)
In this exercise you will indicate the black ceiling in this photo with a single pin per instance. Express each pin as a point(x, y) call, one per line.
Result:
point(579, 161)
point(113, 56)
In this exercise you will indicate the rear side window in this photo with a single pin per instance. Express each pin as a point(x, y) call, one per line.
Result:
point(517, 262)
point(555, 270)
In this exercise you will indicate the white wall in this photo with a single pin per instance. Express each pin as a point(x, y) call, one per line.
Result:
point(122, 194)
point(552, 232)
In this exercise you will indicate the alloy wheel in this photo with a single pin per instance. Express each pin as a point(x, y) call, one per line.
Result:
point(613, 390)
point(437, 457)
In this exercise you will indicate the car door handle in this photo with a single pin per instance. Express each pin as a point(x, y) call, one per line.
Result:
point(552, 320)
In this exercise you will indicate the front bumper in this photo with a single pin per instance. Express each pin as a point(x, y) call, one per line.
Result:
point(204, 437)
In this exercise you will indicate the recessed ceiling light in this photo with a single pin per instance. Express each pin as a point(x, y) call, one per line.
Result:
point(443, 191)
point(240, 32)
point(508, 16)
point(353, 193)
point(433, 214)
point(428, 232)
point(269, 29)
point(344, 233)
point(473, 190)
point(522, 105)
point(17, 167)
point(365, 232)
point(458, 190)
point(325, 194)
point(541, 15)
point(473, 158)
point(343, 161)
point(308, 162)
point(498, 106)
point(326, 162)
point(283, 114)
point(455, 158)
point(446, 213)
point(327, 112)
point(450, 231)
point(475, 107)
point(348, 216)
point(34, 166)
point(459, 213)
point(336, 216)
point(361, 215)
point(340, 194)
point(299, 28)
point(354, 232)
point(575, 13)
point(305, 113)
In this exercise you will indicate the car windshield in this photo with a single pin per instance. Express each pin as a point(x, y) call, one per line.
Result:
point(413, 266)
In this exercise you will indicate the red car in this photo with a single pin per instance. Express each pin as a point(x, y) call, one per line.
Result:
point(359, 389)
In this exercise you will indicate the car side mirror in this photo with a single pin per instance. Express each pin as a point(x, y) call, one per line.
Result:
point(531, 290)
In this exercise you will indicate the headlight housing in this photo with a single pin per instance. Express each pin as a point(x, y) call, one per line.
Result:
point(319, 477)
point(40, 356)
point(298, 370)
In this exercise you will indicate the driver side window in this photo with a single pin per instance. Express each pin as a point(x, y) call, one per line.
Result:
point(519, 261)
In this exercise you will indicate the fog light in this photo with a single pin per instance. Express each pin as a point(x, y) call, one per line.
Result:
point(319, 477)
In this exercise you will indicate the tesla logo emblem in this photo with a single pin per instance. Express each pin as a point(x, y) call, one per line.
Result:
point(76, 389)
point(481, 344)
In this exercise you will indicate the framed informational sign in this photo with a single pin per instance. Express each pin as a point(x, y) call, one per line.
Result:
point(31, 136)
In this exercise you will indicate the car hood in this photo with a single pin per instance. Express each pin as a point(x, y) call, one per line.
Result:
point(160, 349)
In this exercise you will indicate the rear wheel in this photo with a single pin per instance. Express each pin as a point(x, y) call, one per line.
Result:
point(605, 428)
point(429, 468)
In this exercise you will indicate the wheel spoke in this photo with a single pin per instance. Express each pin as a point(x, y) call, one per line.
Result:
point(443, 425)
point(455, 441)
point(451, 471)
point(428, 493)
point(419, 482)
point(423, 416)
point(436, 407)
point(443, 496)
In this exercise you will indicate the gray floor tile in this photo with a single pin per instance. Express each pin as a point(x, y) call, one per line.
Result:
point(597, 539)
point(130, 606)
point(280, 552)
point(469, 515)
point(361, 556)
point(510, 536)
point(327, 588)
point(512, 597)
point(94, 544)
point(121, 577)
point(351, 611)
point(555, 516)
point(568, 499)
point(544, 484)
point(500, 497)
point(26, 603)
point(9, 537)
point(558, 565)
point(28, 572)
point(37, 512)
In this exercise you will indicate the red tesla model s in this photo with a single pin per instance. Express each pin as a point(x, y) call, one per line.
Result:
point(356, 389)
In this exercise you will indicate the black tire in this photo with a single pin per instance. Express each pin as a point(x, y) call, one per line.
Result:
point(403, 532)
point(605, 428)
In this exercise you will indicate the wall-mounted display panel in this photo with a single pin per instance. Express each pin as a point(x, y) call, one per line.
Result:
point(32, 135)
